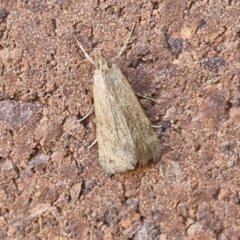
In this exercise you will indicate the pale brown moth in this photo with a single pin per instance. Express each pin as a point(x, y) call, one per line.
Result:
point(124, 134)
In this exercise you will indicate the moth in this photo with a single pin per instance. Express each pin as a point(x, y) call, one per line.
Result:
point(124, 133)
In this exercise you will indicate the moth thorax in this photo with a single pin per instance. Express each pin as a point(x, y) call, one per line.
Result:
point(104, 64)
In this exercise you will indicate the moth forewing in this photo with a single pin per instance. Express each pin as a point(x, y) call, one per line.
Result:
point(124, 133)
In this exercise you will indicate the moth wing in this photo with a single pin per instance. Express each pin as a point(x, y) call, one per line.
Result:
point(145, 139)
point(124, 133)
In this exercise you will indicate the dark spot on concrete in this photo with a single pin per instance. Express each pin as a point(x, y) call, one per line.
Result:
point(176, 45)
point(213, 64)
point(3, 13)
point(201, 23)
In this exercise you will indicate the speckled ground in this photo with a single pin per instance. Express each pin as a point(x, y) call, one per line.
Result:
point(185, 55)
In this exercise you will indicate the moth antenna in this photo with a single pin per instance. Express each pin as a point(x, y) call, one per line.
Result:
point(90, 112)
point(85, 53)
point(126, 42)
point(93, 143)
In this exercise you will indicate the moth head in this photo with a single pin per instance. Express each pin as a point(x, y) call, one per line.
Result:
point(103, 63)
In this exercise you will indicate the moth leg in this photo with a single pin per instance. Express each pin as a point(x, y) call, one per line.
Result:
point(155, 126)
point(93, 143)
point(85, 53)
point(146, 97)
point(125, 44)
point(89, 113)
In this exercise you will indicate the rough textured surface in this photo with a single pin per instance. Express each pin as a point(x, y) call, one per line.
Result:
point(185, 55)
